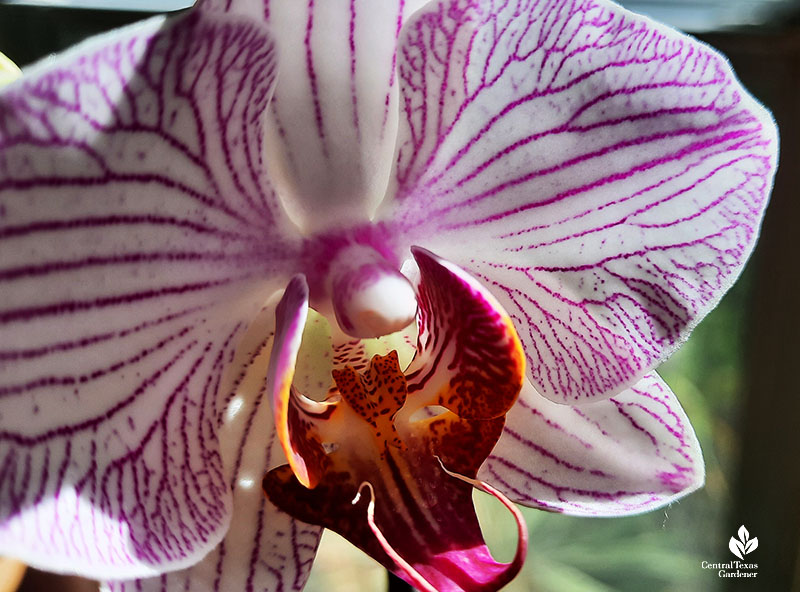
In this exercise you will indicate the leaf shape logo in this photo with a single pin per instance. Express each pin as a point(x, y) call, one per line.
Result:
point(743, 534)
point(736, 547)
point(751, 545)
point(744, 544)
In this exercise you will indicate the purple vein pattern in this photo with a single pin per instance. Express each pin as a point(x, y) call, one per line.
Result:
point(139, 239)
point(333, 119)
point(613, 172)
point(624, 455)
point(604, 177)
point(265, 549)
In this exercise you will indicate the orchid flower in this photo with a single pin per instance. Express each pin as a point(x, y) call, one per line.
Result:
point(373, 253)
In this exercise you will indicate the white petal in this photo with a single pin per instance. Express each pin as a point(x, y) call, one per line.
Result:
point(625, 455)
point(605, 175)
point(333, 121)
point(138, 238)
point(264, 549)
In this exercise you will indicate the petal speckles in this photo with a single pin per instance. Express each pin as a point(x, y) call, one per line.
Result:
point(469, 357)
point(419, 466)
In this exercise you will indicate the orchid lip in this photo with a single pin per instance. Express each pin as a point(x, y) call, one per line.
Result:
point(375, 431)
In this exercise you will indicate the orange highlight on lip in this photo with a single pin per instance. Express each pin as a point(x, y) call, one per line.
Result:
point(417, 437)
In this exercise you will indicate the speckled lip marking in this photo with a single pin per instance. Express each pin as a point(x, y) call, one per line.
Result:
point(375, 431)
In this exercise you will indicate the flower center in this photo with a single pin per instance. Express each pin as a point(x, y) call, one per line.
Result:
point(370, 297)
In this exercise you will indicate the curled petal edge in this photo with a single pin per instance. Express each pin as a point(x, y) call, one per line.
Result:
point(414, 577)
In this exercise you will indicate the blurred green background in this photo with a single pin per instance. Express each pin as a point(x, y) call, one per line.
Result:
point(735, 376)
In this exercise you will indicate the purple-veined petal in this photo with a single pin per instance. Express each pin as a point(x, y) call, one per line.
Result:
point(265, 549)
point(604, 175)
point(333, 120)
point(138, 238)
point(628, 454)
